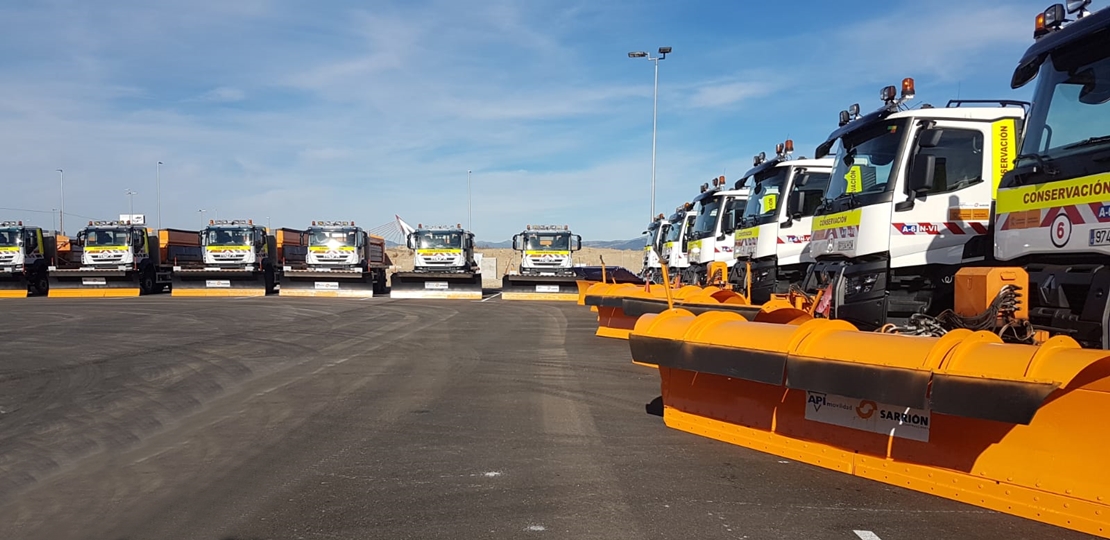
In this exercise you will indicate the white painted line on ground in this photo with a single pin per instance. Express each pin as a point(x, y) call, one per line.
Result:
point(490, 298)
point(867, 535)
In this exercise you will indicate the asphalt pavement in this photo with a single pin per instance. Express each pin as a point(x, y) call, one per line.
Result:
point(259, 418)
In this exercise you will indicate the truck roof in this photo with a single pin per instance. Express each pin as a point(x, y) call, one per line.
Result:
point(939, 113)
point(1037, 53)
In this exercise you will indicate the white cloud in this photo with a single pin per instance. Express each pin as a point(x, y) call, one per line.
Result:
point(222, 94)
point(721, 95)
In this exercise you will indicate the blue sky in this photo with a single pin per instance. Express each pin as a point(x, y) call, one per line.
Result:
point(361, 110)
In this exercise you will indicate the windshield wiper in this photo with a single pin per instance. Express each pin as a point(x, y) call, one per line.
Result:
point(1044, 162)
point(1088, 142)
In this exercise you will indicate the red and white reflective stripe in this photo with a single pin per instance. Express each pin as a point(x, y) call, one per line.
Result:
point(951, 227)
point(793, 239)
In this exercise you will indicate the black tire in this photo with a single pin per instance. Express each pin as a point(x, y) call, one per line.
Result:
point(40, 284)
point(148, 283)
point(270, 278)
point(690, 276)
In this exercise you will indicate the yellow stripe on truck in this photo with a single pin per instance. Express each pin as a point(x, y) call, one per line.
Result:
point(434, 251)
point(1003, 135)
point(850, 218)
point(750, 232)
point(543, 252)
point(326, 248)
point(1085, 190)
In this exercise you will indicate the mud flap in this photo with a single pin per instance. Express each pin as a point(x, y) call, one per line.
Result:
point(556, 288)
point(435, 285)
point(218, 283)
point(964, 416)
point(93, 283)
point(304, 283)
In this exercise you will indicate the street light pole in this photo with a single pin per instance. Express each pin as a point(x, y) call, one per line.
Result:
point(131, 204)
point(158, 182)
point(663, 51)
point(62, 206)
point(469, 214)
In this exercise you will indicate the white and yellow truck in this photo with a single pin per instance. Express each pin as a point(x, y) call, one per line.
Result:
point(546, 265)
point(239, 259)
point(653, 246)
point(773, 230)
point(26, 253)
point(121, 258)
point(444, 265)
point(342, 260)
point(710, 239)
point(676, 240)
point(907, 205)
point(1052, 215)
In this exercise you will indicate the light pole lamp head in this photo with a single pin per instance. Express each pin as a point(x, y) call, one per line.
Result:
point(637, 54)
point(664, 51)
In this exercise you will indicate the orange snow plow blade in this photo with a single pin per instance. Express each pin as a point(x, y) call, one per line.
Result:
point(964, 416)
point(613, 322)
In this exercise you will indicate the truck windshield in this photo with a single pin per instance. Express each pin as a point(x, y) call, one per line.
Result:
point(106, 237)
point(674, 232)
point(332, 238)
point(652, 233)
point(9, 237)
point(706, 221)
point(766, 197)
point(439, 240)
point(548, 242)
point(1072, 100)
point(227, 237)
point(865, 162)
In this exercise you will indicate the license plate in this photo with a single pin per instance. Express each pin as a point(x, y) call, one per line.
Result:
point(1100, 237)
point(94, 281)
point(547, 288)
point(327, 285)
point(218, 283)
point(436, 285)
point(845, 245)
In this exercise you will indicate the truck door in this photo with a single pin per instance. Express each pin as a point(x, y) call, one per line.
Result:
point(932, 225)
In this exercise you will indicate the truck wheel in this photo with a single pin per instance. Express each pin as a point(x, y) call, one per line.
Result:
point(40, 284)
point(147, 282)
point(269, 279)
point(690, 276)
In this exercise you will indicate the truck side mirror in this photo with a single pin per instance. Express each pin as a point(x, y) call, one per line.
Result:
point(923, 173)
point(80, 241)
point(409, 243)
point(920, 180)
point(795, 203)
point(929, 138)
point(576, 245)
point(517, 243)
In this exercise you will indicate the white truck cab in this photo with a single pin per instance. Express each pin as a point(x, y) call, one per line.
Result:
point(773, 230)
point(676, 238)
point(653, 243)
point(908, 203)
point(546, 250)
point(710, 238)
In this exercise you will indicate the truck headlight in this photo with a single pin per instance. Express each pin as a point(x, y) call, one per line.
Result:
point(862, 283)
point(696, 251)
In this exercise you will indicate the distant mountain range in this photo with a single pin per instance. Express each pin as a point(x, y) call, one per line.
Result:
point(636, 244)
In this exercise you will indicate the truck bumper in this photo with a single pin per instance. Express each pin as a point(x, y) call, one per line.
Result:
point(93, 283)
point(331, 284)
point(209, 282)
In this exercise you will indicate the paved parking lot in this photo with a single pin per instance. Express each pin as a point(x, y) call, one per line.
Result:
point(273, 417)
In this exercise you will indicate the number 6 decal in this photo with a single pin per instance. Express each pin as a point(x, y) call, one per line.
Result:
point(1060, 230)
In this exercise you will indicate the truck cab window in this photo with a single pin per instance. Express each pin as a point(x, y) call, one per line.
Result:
point(959, 160)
